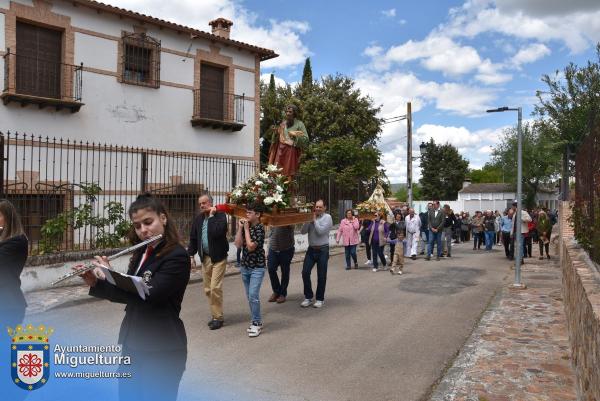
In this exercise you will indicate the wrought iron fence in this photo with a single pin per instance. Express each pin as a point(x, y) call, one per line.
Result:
point(586, 211)
point(48, 177)
point(35, 76)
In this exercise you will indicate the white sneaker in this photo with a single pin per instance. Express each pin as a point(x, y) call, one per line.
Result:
point(400, 272)
point(374, 270)
point(254, 330)
point(318, 304)
point(368, 262)
point(306, 303)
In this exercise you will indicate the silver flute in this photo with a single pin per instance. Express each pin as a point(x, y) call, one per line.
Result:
point(91, 266)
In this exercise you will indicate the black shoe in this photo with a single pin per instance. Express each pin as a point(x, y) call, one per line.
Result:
point(448, 256)
point(215, 324)
point(414, 257)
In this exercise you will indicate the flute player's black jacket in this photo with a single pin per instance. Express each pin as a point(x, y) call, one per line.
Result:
point(153, 324)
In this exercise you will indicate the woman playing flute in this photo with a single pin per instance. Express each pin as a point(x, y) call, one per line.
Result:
point(152, 333)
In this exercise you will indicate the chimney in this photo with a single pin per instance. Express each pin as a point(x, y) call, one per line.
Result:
point(221, 27)
point(466, 183)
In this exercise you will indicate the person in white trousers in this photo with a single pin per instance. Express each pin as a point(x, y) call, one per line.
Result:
point(413, 230)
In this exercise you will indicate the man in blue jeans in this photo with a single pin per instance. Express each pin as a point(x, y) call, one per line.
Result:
point(435, 222)
point(317, 252)
point(281, 252)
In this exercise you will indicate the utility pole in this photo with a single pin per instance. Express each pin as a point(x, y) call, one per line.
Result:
point(409, 153)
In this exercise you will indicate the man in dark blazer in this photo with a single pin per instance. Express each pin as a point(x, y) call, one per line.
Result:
point(208, 238)
point(435, 223)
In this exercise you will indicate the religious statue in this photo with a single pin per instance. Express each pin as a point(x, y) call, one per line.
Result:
point(287, 142)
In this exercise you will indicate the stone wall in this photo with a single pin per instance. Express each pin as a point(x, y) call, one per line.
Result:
point(581, 292)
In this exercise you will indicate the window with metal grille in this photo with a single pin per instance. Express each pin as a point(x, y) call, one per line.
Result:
point(140, 62)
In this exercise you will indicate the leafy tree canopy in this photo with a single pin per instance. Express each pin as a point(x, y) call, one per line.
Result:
point(539, 169)
point(443, 171)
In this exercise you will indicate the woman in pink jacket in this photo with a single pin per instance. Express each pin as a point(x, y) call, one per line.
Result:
point(348, 233)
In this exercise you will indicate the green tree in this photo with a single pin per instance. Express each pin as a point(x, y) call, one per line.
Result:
point(307, 77)
point(342, 125)
point(343, 128)
point(489, 173)
point(443, 171)
point(402, 193)
point(539, 168)
point(569, 108)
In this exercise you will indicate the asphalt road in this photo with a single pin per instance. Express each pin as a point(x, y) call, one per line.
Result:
point(379, 337)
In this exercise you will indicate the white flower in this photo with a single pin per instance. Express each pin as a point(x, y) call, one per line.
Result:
point(279, 189)
point(277, 197)
point(272, 167)
point(237, 193)
point(268, 200)
point(264, 176)
point(258, 182)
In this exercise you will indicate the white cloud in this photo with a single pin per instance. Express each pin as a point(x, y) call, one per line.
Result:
point(284, 37)
point(389, 13)
point(438, 53)
point(530, 54)
point(265, 78)
point(459, 137)
point(393, 89)
point(577, 27)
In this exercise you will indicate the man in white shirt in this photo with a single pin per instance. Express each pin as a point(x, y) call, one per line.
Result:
point(413, 229)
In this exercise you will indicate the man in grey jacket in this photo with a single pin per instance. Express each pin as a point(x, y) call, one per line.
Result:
point(317, 252)
point(435, 223)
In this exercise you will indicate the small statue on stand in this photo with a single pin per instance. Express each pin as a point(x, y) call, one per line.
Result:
point(288, 140)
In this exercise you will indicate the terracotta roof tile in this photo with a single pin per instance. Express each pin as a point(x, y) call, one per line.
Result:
point(265, 54)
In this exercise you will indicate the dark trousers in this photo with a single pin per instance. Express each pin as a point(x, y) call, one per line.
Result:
point(506, 243)
point(464, 235)
point(542, 245)
point(350, 252)
point(320, 256)
point(276, 259)
point(378, 252)
point(478, 239)
point(155, 375)
point(368, 250)
point(527, 246)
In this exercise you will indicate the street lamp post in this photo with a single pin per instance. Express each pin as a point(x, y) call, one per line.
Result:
point(518, 284)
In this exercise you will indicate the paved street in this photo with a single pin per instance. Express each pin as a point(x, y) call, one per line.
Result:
point(379, 337)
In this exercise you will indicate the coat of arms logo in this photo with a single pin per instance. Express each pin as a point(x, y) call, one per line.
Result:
point(30, 355)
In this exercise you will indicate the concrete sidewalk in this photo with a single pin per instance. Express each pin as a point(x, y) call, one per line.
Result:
point(519, 350)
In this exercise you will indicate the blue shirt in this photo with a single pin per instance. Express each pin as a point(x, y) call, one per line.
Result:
point(506, 224)
point(205, 236)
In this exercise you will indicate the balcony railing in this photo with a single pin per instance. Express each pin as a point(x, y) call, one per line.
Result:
point(34, 80)
point(218, 110)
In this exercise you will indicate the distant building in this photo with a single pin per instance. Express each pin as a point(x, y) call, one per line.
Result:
point(490, 196)
point(498, 196)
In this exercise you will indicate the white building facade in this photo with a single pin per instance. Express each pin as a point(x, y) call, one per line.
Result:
point(135, 103)
point(83, 70)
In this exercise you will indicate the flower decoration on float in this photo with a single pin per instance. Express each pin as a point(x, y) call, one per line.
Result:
point(269, 186)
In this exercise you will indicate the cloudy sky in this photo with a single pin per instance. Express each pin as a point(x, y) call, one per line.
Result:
point(452, 59)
